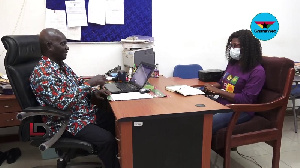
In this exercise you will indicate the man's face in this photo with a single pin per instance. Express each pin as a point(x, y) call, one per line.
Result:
point(58, 47)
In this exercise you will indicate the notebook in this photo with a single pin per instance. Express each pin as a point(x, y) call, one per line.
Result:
point(185, 90)
point(138, 80)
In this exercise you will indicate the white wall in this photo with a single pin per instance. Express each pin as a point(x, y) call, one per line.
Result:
point(184, 31)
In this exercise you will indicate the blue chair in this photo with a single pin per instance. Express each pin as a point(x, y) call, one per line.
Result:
point(186, 71)
point(295, 94)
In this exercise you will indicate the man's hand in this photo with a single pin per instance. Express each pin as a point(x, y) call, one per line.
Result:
point(99, 95)
point(97, 80)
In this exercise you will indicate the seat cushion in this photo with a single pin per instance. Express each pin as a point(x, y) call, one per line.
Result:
point(255, 124)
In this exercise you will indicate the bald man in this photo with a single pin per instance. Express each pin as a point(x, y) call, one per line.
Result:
point(55, 84)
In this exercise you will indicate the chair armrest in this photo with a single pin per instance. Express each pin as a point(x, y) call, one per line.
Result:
point(42, 110)
point(257, 107)
point(238, 108)
point(55, 137)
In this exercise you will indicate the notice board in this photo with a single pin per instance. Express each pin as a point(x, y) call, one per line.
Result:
point(137, 21)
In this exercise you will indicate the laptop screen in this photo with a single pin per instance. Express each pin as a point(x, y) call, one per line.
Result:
point(142, 74)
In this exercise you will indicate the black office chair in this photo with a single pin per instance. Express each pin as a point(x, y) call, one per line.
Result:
point(23, 53)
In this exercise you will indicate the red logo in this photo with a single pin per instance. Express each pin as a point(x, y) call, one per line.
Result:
point(33, 130)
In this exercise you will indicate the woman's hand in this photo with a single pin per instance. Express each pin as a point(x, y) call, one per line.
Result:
point(210, 89)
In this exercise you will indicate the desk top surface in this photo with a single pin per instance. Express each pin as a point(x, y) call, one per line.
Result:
point(175, 104)
point(7, 97)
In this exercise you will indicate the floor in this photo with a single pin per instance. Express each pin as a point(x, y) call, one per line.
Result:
point(260, 152)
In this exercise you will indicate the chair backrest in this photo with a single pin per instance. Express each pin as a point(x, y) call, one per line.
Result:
point(23, 54)
point(276, 69)
point(187, 71)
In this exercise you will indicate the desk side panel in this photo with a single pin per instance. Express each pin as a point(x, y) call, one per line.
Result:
point(206, 143)
point(124, 134)
point(168, 142)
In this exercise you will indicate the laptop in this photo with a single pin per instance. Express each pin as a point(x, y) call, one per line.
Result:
point(137, 82)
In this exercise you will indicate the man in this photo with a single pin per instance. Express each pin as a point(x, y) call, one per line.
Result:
point(55, 84)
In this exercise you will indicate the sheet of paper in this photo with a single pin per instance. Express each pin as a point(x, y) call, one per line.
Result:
point(130, 96)
point(115, 12)
point(76, 13)
point(96, 12)
point(56, 19)
point(74, 33)
point(184, 90)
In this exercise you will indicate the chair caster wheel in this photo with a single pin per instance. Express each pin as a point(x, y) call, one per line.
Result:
point(61, 163)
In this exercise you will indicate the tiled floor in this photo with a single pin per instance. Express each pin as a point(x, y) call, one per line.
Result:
point(260, 152)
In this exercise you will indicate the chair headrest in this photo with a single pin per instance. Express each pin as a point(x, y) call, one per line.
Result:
point(276, 69)
point(21, 48)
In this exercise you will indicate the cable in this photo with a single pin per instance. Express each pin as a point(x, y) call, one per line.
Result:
point(251, 159)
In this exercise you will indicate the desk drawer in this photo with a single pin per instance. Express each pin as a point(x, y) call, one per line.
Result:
point(9, 119)
point(9, 106)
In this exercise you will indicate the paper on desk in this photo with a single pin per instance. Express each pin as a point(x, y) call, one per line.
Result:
point(129, 96)
point(185, 90)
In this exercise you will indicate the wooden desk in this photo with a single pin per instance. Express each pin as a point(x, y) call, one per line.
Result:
point(165, 132)
point(9, 108)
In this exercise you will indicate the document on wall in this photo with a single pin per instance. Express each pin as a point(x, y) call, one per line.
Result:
point(76, 13)
point(74, 33)
point(96, 12)
point(115, 12)
point(56, 19)
point(185, 90)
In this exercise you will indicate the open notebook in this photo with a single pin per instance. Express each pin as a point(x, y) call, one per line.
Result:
point(185, 90)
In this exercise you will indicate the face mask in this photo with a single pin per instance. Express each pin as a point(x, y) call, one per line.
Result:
point(235, 53)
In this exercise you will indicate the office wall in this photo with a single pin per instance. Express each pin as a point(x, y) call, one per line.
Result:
point(185, 32)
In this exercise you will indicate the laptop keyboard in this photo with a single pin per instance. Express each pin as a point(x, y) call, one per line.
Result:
point(126, 87)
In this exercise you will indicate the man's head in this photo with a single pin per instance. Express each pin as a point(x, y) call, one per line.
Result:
point(53, 44)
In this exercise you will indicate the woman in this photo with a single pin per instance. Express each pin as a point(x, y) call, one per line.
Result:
point(243, 78)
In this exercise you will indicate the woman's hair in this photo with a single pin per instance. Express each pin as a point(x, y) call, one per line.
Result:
point(250, 52)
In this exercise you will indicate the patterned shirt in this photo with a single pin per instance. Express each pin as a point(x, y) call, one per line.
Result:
point(60, 87)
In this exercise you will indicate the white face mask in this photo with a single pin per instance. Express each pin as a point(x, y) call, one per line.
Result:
point(235, 53)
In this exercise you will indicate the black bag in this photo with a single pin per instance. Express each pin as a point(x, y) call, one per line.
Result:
point(210, 75)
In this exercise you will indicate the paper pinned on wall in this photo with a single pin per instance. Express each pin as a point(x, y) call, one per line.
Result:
point(76, 13)
point(56, 19)
point(96, 12)
point(74, 33)
point(115, 12)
